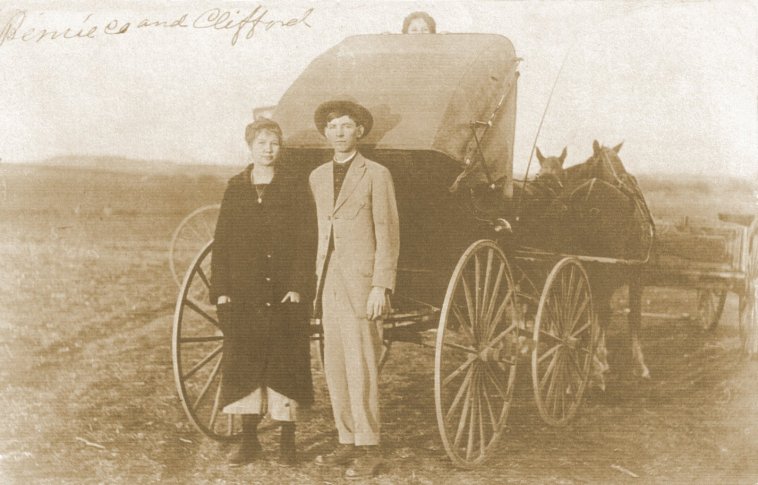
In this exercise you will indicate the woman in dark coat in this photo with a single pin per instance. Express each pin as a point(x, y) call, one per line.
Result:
point(260, 281)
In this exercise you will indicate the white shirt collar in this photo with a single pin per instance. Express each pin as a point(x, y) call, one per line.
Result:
point(342, 162)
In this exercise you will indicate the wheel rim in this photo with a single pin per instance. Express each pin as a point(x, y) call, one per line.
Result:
point(749, 300)
point(475, 364)
point(197, 348)
point(190, 236)
point(565, 332)
point(710, 306)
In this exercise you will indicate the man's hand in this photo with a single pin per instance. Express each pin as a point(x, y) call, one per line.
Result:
point(292, 296)
point(378, 305)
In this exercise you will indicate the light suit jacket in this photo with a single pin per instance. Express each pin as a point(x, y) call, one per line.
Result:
point(365, 226)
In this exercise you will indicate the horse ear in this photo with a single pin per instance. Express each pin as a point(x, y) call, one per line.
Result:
point(540, 157)
point(562, 158)
point(595, 147)
point(618, 147)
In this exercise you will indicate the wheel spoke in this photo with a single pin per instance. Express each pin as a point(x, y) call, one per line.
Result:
point(464, 417)
point(461, 391)
point(196, 307)
point(499, 315)
point(460, 369)
point(548, 353)
point(551, 336)
point(582, 329)
point(201, 273)
point(492, 342)
point(493, 378)
point(489, 405)
point(482, 441)
point(462, 348)
point(214, 410)
point(463, 323)
point(477, 294)
point(495, 291)
point(472, 412)
point(207, 385)
point(202, 362)
point(576, 316)
point(211, 338)
point(469, 303)
point(548, 371)
point(485, 289)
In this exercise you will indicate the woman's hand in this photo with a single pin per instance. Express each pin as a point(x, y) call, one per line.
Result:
point(292, 296)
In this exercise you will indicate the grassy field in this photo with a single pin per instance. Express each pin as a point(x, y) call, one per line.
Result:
point(86, 303)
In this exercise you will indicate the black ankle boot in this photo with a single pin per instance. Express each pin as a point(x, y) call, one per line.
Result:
point(287, 453)
point(250, 447)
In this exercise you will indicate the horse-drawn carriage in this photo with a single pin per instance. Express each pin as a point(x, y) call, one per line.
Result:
point(496, 274)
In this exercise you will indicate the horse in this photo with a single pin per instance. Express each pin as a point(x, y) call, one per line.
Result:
point(552, 166)
point(596, 209)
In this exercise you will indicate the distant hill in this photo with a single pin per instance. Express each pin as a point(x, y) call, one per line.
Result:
point(132, 165)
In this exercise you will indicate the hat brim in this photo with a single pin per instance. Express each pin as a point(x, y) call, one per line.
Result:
point(360, 114)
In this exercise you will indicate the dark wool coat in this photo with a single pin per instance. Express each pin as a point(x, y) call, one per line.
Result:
point(261, 252)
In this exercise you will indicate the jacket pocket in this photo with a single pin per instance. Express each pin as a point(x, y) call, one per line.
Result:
point(351, 210)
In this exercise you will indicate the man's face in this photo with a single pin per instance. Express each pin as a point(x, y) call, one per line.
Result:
point(418, 26)
point(343, 134)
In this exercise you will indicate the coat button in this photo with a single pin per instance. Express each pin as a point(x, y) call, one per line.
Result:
point(268, 279)
point(268, 303)
point(268, 256)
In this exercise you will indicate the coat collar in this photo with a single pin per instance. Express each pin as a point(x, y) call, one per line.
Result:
point(353, 176)
point(272, 191)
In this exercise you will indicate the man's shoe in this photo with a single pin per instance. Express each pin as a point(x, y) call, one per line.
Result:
point(340, 456)
point(368, 463)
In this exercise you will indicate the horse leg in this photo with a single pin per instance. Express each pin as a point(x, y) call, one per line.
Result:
point(635, 325)
point(600, 360)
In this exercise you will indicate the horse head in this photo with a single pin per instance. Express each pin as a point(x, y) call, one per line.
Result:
point(605, 162)
point(552, 166)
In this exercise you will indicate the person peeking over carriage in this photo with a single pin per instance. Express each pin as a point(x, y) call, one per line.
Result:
point(419, 23)
point(260, 270)
point(356, 268)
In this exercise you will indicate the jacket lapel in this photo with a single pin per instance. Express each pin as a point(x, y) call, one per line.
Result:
point(353, 176)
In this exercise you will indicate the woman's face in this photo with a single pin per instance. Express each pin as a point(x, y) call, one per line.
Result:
point(418, 26)
point(265, 148)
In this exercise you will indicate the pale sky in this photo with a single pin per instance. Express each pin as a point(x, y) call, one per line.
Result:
point(676, 81)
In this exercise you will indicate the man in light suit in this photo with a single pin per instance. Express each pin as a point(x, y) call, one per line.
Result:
point(356, 268)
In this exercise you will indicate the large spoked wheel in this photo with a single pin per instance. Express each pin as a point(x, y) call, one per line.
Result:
point(196, 349)
point(190, 236)
point(476, 353)
point(749, 298)
point(565, 332)
point(710, 306)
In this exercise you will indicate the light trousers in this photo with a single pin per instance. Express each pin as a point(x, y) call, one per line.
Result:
point(352, 348)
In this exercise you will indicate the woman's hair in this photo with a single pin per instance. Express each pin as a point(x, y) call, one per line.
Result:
point(262, 124)
point(420, 15)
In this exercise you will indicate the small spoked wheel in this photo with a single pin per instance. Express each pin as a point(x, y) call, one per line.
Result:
point(196, 349)
point(190, 236)
point(710, 306)
point(565, 332)
point(476, 354)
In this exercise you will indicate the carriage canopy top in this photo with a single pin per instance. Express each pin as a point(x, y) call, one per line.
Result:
point(424, 92)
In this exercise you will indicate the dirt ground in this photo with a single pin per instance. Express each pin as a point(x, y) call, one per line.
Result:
point(86, 385)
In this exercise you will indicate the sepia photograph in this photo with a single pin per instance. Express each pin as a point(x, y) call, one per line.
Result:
point(389, 242)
